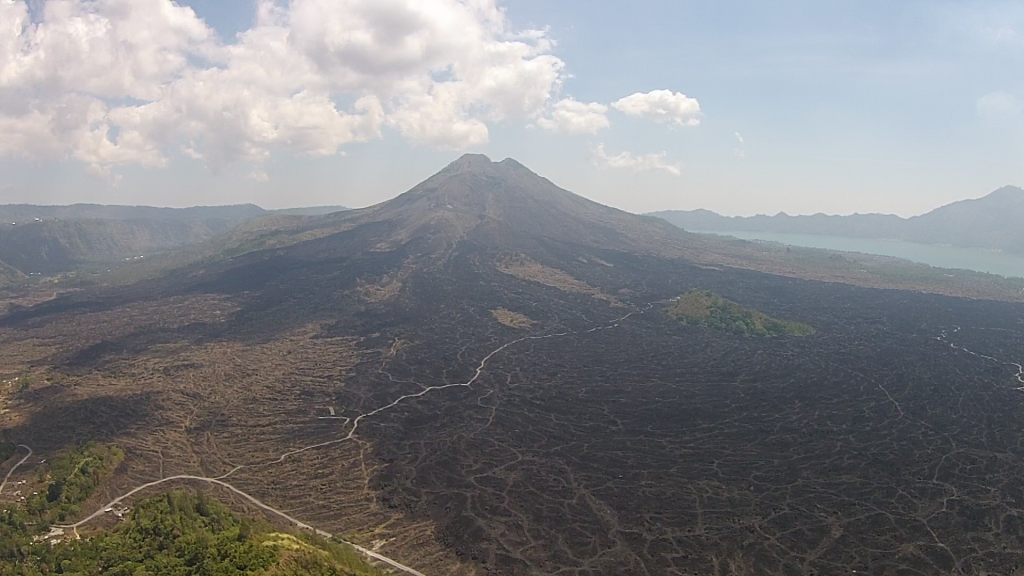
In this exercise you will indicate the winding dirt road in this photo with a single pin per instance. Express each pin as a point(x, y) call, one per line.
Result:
point(298, 523)
point(15, 467)
point(220, 480)
point(944, 337)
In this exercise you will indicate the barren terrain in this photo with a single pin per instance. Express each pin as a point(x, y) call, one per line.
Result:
point(462, 403)
point(586, 444)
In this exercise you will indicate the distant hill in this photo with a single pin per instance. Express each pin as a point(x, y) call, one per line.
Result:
point(309, 211)
point(54, 239)
point(991, 222)
point(13, 214)
point(214, 216)
point(504, 204)
point(52, 246)
point(9, 274)
point(708, 309)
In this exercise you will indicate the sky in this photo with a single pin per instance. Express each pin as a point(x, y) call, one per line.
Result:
point(737, 107)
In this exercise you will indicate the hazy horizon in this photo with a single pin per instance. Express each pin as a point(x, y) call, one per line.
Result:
point(287, 206)
point(734, 107)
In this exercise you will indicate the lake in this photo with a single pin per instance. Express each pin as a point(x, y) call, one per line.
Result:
point(993, 262)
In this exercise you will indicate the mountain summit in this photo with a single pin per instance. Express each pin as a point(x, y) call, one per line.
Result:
point(504, 203)
point(498, 210)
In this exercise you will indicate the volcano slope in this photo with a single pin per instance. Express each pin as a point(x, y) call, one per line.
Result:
point(480, 377)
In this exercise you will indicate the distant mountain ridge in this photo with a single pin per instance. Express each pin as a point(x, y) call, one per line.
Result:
point(490, 202)
point(9, 274)
point(12, 214)
point(54, 239)
point(992, 222)
point(504, 207)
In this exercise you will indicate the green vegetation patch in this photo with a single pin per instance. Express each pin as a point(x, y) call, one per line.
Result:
point(705, 308)
point(71, 478)
point(59, 491)
point(177, 534)
point(184, 534)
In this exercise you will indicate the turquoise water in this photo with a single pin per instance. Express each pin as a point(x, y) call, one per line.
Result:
point(993, 262)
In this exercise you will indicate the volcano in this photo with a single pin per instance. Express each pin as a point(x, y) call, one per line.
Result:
point(506, 207)
point(499, 204)
point(502, 202)
point(482, 376)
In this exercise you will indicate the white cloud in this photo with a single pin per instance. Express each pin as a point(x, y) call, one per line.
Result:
point(639, 163)
point(103, 172)
point(738, 152)
point(1007, 35)
point(998, 105)
point(662, 106)
point(571, 117)
point(1002, 37)
point(112, 82)
point(259, 176)
point(107, 48)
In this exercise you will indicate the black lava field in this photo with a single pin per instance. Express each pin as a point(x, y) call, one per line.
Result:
point(610, 438)
point(650, 447)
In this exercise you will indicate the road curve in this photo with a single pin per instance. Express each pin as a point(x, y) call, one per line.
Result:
point(944, 337)
point(15, 467)
point(219, 480)
point(298, 523)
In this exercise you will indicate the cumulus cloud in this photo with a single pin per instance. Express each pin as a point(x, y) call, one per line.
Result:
point(739, 137)
point(112, 82)
point(662, 106)
point(639, 163)
point(571, 117)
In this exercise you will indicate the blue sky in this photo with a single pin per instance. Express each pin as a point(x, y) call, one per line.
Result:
point(805, 107)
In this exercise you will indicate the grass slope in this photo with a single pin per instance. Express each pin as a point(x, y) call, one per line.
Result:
point(705, 308)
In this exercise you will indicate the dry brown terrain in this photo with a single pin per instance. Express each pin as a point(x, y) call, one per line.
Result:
point(180, 408)
point(512, 319)
point(524, 268)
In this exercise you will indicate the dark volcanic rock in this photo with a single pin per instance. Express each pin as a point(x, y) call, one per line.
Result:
point(609, 438)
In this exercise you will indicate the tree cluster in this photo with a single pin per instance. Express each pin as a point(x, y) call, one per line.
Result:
point(176, 534)
point(705, 308)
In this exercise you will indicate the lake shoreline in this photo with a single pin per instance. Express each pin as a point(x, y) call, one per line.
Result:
point(937, 255)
